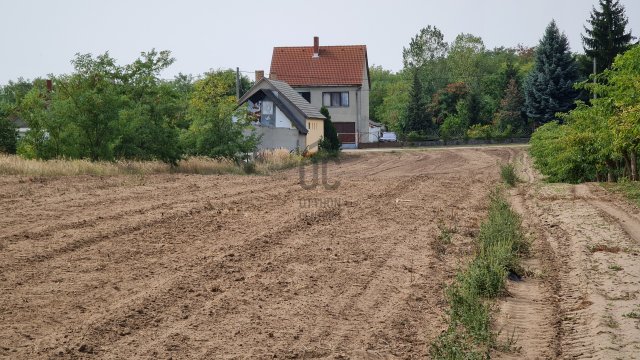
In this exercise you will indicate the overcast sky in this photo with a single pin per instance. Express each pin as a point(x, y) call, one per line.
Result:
point(39, 37)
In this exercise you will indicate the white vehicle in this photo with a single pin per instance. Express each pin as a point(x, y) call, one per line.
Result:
point(389, 137)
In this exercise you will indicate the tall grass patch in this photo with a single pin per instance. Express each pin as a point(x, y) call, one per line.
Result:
point(264, 162)
point(500, 244)
point(278, 159)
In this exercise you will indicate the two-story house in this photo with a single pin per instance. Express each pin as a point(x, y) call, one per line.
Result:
point(333, 76)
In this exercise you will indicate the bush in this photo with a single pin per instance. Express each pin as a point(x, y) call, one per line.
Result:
point(249, 167)
point(8, 137)
point(213, 133)
point(330, 142)
point(508, 174)
point(478, 131)
point(597, 140)
point(563, 155)
point(453, 128)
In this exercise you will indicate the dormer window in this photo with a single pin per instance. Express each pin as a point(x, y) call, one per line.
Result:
point(306, 95)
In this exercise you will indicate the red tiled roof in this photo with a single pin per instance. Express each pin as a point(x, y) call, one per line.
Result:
point(336, 65)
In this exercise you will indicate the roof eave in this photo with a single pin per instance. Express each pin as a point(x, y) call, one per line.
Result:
point(325, 85)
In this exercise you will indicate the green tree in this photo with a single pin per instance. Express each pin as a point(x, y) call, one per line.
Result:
point(445, 102)
point(149, 112)
point(8, 136)
point(393, 111)
point(622, 87)
point(330, 142)
point(87, 103)
point(12, 93)
point(381, 79)
point(606, 35)
point(474, 108)
point(466, 59)
point(104, 111)
point(51, 134)
point(510, 118)
point(418, 118)
point(11, 96)
point(600, 140)
point(216, 128)
point(455, 125)
point(427, 45)
point(549, 86)
point(183, 86)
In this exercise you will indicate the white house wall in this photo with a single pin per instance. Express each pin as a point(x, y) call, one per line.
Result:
point(277, 138)
point(282, 121)
point(363, 121)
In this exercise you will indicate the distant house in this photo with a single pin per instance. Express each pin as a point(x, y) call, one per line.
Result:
point(20, 125)
point(334, 76)
point(284, 119)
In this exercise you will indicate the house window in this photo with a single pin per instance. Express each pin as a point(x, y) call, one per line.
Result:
point(335, 99)
point(306, 95)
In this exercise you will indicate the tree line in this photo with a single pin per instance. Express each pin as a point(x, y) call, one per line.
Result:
point(464, 90)
point(106, 111)
point(598, 139)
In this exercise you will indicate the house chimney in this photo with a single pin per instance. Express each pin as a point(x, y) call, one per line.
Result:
point(316, 47)
point(49, 85)
point(273, 76)
point(259, 75)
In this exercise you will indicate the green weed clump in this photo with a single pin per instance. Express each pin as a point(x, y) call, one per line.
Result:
point(500, 244)
point(508, 174)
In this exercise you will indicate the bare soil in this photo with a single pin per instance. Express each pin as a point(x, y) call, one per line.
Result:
point(234, 267)
point(581, 297)
point(238, 267)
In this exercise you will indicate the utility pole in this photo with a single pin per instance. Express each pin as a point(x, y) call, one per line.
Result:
point(237, 83)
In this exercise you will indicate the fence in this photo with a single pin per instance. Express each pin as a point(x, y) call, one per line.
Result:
point(368, 140)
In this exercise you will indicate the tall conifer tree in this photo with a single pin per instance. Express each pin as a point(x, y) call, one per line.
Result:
point(606, 35)
point(549, 85)
point(418, 118)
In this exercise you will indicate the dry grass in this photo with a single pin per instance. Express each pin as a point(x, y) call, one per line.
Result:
point(14, 165)
point(278, 159)
point(265, 162)
point(206, 166)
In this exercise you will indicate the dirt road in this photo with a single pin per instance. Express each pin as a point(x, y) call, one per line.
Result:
point(239, 267)
point(581, 299)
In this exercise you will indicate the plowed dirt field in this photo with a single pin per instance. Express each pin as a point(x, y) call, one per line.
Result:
point(239, 266)
point(260, 267)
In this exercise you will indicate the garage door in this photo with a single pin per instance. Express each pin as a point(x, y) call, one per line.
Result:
point(346, 132)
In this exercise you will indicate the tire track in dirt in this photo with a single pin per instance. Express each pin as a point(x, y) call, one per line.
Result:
point(586, 287)
point(629, 222)
point(528, 317)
